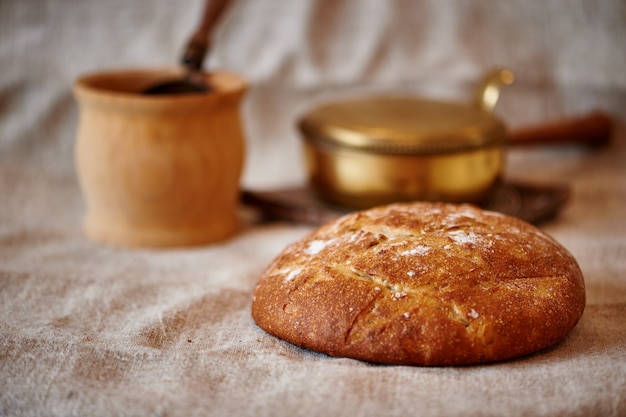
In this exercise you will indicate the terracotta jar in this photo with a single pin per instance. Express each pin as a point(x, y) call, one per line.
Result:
point(159, 171)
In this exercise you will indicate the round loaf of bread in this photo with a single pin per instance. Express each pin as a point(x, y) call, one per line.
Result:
point(422, 284)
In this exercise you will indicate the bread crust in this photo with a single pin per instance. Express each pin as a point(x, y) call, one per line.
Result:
point(422, 284)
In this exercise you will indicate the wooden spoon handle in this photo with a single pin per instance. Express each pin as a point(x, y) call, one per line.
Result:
point(593, 129)
point(200, 41)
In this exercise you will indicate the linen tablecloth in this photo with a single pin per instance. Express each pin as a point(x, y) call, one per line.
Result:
point(87, 329)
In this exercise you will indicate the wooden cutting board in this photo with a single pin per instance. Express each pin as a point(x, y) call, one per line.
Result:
point(530, 202)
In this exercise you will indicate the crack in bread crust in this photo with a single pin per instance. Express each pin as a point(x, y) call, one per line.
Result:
point(422, 283)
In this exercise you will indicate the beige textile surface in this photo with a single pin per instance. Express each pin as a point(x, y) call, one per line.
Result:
point(87, 329)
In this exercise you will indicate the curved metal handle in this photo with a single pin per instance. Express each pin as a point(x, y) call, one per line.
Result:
point(489, 90)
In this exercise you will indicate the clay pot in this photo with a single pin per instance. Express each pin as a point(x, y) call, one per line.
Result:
point(159, 171)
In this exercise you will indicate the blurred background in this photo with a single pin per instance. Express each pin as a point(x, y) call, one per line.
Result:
point(569, 57)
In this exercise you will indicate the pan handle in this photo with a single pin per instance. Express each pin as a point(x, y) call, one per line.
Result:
point(593, 129)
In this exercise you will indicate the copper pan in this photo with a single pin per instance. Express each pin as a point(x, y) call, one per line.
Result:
point(377, 150)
